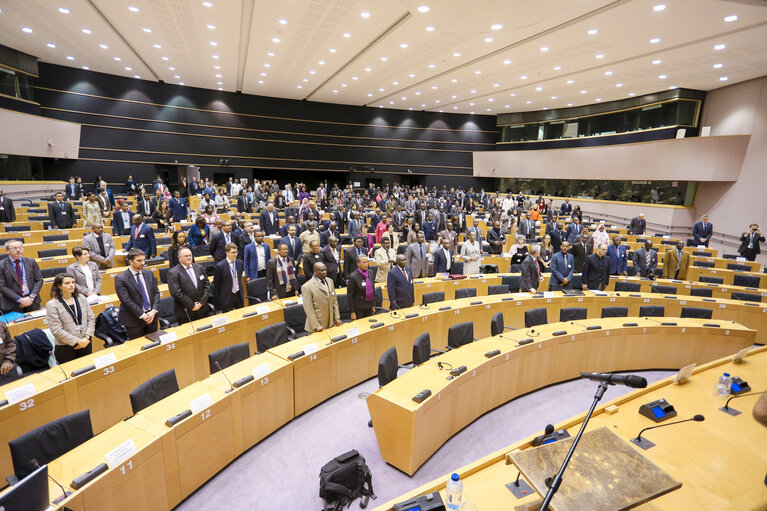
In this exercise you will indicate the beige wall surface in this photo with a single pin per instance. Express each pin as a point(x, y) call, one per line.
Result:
point(32, 135)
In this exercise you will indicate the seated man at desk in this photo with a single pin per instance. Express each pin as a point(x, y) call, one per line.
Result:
point(360, 290)
point(189, 287)
point(139, 296)
point(320, 302)
point(20, 280)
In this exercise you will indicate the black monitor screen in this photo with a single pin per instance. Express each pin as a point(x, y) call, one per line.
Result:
point(29, 494)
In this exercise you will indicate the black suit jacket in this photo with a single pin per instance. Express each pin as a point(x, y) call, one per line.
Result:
point(596, 272)
point(10, 291)
point(273, 279)
point(222, 282)
point(399, 288)
point(330, 263)
point(185, 293)
point(131, 301)
point(244, 205)
point(266, 224)
point(350, 260)
point(355, 292)
point(7, 211)
point(745, 240)
point(492, 237)
point(308, 261)
point(529, 280)
point(218, 245)
point(326, 234)
point(61, 218)
point(440, 261)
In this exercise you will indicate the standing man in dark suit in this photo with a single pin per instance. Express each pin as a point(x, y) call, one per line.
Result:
point(122, 220)
point(189, 287)
point(327, 233)
point(293, 243)
point(562, 269)
point(7, 211)
point(596, 270)
point(256, 256)
point(618, 255)
point(281, 274)
point(268, 220)
point(360, 290)
point(496, 238)
point(247, 237)
point(350, 257)
point(646, 260)
point(399, 285)
point(749, 242)
point(144, 206)
point(332, 258)
point(139, 297)
point(573, 230)
point(20, 280)
point(73, 191)
point(531, 271)
point(227, 281)
point(178, 207)
point(60, 213)
point(557, 236)
point(311, 258)
point(526, 228)
point(443, 258)
point(142, 237)
point(702, 231)
point(244, 205)
point(566, 208)
point(637, 225)
point(219, 242)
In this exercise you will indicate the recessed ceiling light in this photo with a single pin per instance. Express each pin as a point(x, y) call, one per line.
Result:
point(312, 72)
point(496, 85)
point(355, 78)
point(718, 66)
point(27, 30)
point(172, 68)
point(584, 91)
point(213, 43)
point(261, 81)
point(656, 62)
point(593, 31)
point(491, 99)
point(384, 59)
point(598, 100)
point(158, 46)
point(207, 4)
point(86, 67)
point(262, 73)
point(723, 78)
point(539, 88)
point(659, 7)
point(545, 108)
point(304, 79)
point(403, 45)
point(118, 59)
point(370, 94)
point(165, 58)
point(544, 48)
point(347, 35)
point(70, 57)
point(418, 93)
point(454, 96)
point(211, 27)
point(216, 67)
point(523, 77)
point(266, 64)
point(321, 62)
point(632, 93)
point(600, 55)
point(720, 47)
point(477, 71)
point(395, 83)
point(220, 88)
point(181, 83)
point(430, 29)
point(216, 57)
point(619, 85)
point(381, 89)
point(529, 102)
point(412, 75)
point(365, 14)
point(454, 80)
point(282, 21)
point(136, 76)
point(133, 9)
point(270, 53)
point(569, 104)
point(655, 40)
point(553, 97)
point(344, 85)
point(672, 87)
point(434, 87)
point(128, 68)
point(608, 73)
point(432, 66)
point(662, 77)
point(497, 26)
point(557, 68)
point(219, 83)
point(488, 39)
point(456, 108)
point(87, 31)
point(147, 30)
point(507, 62)
point(275, 39)
point(569, 82)
point(63, 10)
point(367, 69)
point(332, 50)
point(51, 45)
point(423, 8)
point(731, 18)
point(471, 104)
point(176, 77)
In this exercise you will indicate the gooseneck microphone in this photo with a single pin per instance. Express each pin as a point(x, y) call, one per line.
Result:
point(64, 493)
point(629, 380)
point(726, 405)
point(190, 319)
point(50, 353)
point(231, 387)
point(696, 418)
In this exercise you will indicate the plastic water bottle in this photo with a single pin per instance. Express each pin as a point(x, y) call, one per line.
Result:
point(724, 385)
point(453, 492)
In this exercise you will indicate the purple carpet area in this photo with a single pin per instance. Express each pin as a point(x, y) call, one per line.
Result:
point(282, 471)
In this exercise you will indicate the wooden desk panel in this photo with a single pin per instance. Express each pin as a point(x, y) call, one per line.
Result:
point(695, 272)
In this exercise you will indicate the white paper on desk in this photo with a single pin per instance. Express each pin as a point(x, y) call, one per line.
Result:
point(598, 292)
point(121, 453)
point(169, 337)
point(37, 313)
point(548, 294)
point(220, 321)
point(521, 295)
point(666, 237)
point(261, 371)
point(104, 360)
point(310, 348)
point(353, 331)
point(93, 299)
point(262, 309)
point(740, 259)
point(20, 393)
point(702, 247)
point(201, 403)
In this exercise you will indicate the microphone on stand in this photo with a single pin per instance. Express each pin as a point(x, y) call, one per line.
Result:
point(696, 418)
point(231, 387)
point(629, 380)
point(726, 405)
point(190, 319)
point(64, 493)
point(50, 353)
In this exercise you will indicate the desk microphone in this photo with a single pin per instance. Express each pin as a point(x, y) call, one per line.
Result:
point(231, 387)
point(726, 405)
point(629, 380)
point(190, 319)
point(64, 493)
point(539, 439)
point(50, 353)
point(696, 418)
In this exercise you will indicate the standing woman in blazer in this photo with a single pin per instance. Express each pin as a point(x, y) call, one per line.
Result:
point(178, 241)
point(85, 272)
point(70, 319)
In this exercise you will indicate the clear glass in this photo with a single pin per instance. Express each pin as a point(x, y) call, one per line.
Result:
point(7, 82)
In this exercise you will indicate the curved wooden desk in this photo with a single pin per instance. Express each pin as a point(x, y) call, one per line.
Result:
point(721, 462)
point(409, 433)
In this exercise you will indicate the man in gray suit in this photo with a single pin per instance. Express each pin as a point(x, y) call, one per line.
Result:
point(646, 260)
point(417, 255)
point(189, 287)
point(20, 280)
point(527, 227)
point(320, 301)
point(531, 272)
point(101, 247)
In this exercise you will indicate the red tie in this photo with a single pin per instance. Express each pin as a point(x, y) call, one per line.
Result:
point(19, 273)
point(135, 236)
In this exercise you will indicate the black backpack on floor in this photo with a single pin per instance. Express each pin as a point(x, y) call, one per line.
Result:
point(343, 479)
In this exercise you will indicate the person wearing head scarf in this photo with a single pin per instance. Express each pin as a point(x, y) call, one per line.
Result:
point(600, 236)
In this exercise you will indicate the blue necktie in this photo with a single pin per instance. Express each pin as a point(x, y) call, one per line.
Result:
point(144, 295)
point(421, 248)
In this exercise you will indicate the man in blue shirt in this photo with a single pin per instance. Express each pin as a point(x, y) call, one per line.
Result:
point(618, 257)
point(562, 268)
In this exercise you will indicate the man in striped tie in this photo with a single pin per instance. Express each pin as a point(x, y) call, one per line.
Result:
point(139, 296)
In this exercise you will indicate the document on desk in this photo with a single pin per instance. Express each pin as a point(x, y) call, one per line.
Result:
point(598, 292)
point(104, 360)
point(261, 371)
point(121, 453)
point(20, 393)
point(201, 403)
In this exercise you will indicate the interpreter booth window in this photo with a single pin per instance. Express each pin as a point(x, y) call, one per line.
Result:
point(676, 193)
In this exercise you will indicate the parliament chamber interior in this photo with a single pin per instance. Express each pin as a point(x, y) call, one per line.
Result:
point(405, 254)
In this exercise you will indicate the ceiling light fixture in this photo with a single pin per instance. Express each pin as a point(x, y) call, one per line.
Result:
point(213, 43)
point(477, 71)
point(70, 57)
point(662, 77)
point(412, 75)
point(456, 54)
point(539, 89)
point(557, 68)
point(718, 66)
point(608, 73)
point(147, 30)
point(211, 27)
point(86, 67)
point(367, 69)
point(496, 85)
point(403, 45)
point(423, 9)
point(365, 14)
point(569, 82)
point(128, 68)
point(207, 4)
point(26, 30)
point(275, 39)
point(384, 59)
point(432, 66)
point(87, 31)
point(430, 29)
point(507, 62)
point(598, 100)
point(723, 78)
point(659, 8)
point(63, 10)
point(497, 26)
point(216, 57)
point(118, 59)
point(312, 72)
point(593, 31)
point(282, 21)
point(584, 91)
point(171, 68)
point(488, 39)
point(619, 85)
point(731, 18)
point(157, 46)
point(544, 48)
point(655, 40)
point(355, 78)
point(720, 47)
point(133, 9)
point(347, 35)
point(656, 62)
point(165, 58)
point(321, 62)
point(51, 45)
point(599, 56)
point(523, 77)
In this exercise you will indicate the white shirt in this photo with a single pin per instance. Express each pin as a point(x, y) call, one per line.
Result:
point(190, 271)
point(88, 277)
point(261, 256)
point(126, 218)
point(447, 257)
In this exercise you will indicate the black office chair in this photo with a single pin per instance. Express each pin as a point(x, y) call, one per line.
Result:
point(48, 273)
point(343, 307)
point(153, 390)
point(738, 267)
point(372, 272)
point(665, 290)
point(576, 282)
point(460, 334)
point(55, 237)
point(456, 268)
point(437, 296)
point(652, 311)
point(48, 442)
point(295, 321)
point(572, 313)
point(165, 313)
point(422, 350)
point(696, 312)
point(387, 367)
point(498, 289)
point(163, 242)
point(208, 266)
point(702, 291)
point(748, 297)
point(724, 256)
point(497, 324)
point(257, 290)
point(228, 356)
point(745, 281)
point(535, 317)
point(164, 275)
point(467, 292)
point(615, 312)
point(631, 287)
point(703, 264)
point(512, 281)
point(271, 336)
point(710, 280)
point(378, 299)
point(201, 250)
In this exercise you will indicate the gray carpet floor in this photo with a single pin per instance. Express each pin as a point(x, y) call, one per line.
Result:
point(282, 471)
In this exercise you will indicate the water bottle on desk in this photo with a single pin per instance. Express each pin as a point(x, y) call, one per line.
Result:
point(453, 493)
point(723, 386)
